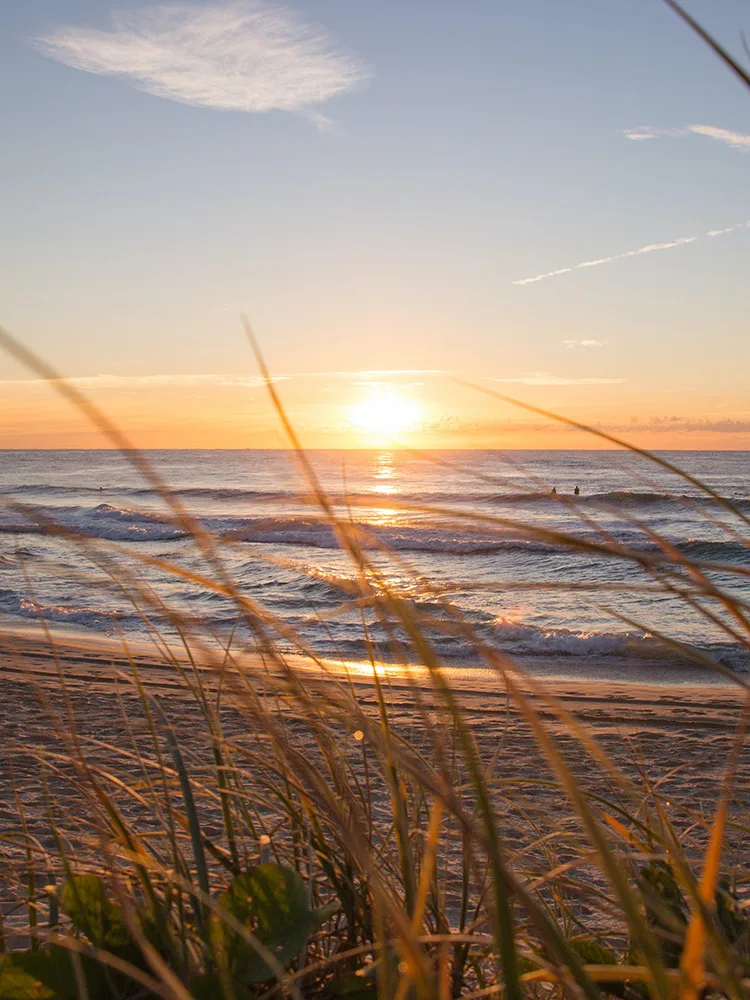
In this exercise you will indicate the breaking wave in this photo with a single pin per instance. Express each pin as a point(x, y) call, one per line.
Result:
point(514, 638)
point(121, 524)
point(618, 499)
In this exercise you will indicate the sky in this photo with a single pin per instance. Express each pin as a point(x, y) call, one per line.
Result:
point(546, 200)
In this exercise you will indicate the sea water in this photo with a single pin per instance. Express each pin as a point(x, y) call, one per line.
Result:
point(475, 536)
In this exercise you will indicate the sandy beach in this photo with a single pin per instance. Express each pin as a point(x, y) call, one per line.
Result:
point(667, 732)
point(669, 727)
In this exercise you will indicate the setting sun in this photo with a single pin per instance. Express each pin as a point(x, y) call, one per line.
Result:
point(385, 414)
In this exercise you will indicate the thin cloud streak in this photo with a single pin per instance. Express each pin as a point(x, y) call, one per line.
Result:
point(676, 425)
point(691, 426)
point(645, 132)
point(373, 371)
point(108, 382)
point(649, 248)
point(737, 140)
point(104, 381)
point(245, 55)
point(584, 343)
point(641, 134)
point(544, 378)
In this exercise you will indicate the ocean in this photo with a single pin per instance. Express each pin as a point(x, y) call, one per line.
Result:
point(486, 549)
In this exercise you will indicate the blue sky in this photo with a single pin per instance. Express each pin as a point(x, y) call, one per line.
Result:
point(460, 147)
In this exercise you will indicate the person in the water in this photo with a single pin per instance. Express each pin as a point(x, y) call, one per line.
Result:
point(577, 491)
point(554, 490)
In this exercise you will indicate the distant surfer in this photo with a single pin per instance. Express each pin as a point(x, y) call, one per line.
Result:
point(577, 491)
point(554, 491)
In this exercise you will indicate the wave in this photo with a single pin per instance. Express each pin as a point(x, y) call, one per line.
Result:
point(519, 638)
point(15, 604)
point(104, 521)
point(121, 524)
point(118, 524)
point(526, 639)
point(621, 499)
point(522, 640)
point(625, 500)
point(710, 551)
point(342, 636)
point(147, 492)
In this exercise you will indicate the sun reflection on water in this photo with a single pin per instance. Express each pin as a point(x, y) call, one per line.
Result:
point(384, 469)
point(384, 474)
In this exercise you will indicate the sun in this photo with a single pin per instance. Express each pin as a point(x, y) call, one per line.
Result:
point(385, 414)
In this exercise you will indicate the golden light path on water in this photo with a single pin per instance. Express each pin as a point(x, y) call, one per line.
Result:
point(384, 473)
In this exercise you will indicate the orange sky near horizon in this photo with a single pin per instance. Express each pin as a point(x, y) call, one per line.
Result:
point(420, 410)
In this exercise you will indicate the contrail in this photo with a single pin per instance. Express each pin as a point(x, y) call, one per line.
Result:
point(649, 248)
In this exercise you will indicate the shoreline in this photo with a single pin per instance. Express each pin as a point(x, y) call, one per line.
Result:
point(613, 670)
point(649, 700)
point(618, 691)
point(678, 720)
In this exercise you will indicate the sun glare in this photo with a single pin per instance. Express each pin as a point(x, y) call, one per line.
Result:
point(385, 414)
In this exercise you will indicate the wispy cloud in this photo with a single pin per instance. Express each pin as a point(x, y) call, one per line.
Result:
point(543, 275)
point(245, 55)
point(665, 425)
point(642, 134)
point(136, 383)
point(649, 248)
point(737, 140)
point(645, 132)
point(544, 378)
point(584, 343)
point(105, 381)
point(660, 424)
point(723, 426)
point(396, 372)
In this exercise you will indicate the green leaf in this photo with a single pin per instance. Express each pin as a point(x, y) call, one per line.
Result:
point(526, 964)
point(363, 982)
point(39, 975)
point(207, 987)
point(353, 986)
point(271, 902)
point(17, 984)
point(92, 913)
point(732, 918)
point(84, 899)
point(591, 952)
point(666, 913)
